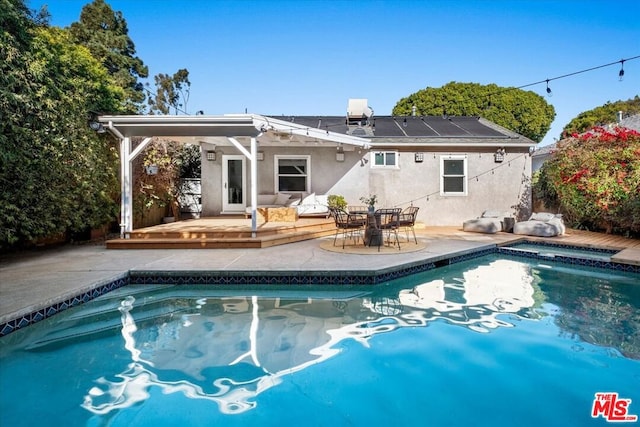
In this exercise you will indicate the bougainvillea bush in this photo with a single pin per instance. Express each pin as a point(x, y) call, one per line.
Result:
point(594, 180)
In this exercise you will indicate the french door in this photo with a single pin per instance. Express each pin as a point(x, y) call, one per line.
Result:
point(233, 183)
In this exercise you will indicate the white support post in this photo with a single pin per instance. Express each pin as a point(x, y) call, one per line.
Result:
point(126, 183)
point(126, 209)
point(254, 187)
point(253, 157)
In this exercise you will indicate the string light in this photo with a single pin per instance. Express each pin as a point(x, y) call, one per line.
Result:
point(426, 197)
point(549, 89)
point(621, 61)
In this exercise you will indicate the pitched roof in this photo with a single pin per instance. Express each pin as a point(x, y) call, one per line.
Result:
point(411, 130)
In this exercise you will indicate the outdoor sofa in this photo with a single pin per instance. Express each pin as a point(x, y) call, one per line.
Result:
point(491, 221)
point(306, 205)
point(541, 224)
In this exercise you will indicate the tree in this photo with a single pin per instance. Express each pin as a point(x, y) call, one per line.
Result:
point(524, 112)
point(56, 174)
point(594, 180)
point(601, 116)
point(171, 92)
point(105, 33)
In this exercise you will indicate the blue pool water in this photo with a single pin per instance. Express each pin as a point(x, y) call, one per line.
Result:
point(550, 250)
point(492, 341)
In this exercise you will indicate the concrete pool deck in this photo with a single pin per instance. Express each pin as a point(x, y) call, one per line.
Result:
point(31, 280)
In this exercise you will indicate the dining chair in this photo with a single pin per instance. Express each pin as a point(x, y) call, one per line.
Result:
point(349, 225)
point(408, 221)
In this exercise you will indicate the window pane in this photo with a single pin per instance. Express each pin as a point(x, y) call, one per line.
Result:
point(391, 159)
point(292, 183)
point(379, 159)
point(454, 167)
point(292, 166)
point(453, 184)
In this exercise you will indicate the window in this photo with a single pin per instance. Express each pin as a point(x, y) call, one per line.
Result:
point(385, 159)
point(454, 175)
point(292, 173)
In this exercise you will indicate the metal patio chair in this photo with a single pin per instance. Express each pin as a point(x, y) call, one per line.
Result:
point(408, 221)
point(349, 224)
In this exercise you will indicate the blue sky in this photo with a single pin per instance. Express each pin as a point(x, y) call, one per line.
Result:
point(309, 57)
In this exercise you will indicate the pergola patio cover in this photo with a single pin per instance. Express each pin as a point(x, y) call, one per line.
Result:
point(231, 127)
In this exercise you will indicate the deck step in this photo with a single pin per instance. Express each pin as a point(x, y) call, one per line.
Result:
point(261, 241)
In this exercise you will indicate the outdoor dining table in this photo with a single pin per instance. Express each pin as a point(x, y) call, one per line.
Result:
point(373, 235)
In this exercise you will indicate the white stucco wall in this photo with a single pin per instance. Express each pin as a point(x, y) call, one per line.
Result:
point(418, 184)
point(490, 185)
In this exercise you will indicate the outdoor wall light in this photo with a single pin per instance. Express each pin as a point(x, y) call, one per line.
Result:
point(260, 155)
point(211, 155)
point(97, 126)
point(499, 155)
point(419, 157)
point(340, 155)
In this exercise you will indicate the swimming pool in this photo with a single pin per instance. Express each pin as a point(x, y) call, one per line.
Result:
point(480, 342)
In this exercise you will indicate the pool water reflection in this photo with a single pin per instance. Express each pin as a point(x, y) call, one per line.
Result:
point(449, 346)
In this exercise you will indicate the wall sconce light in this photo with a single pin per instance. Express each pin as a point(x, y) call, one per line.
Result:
point(260, 155)
point(211, 155)
point(151, 169)
point(340, 155)
point(419, 157)
point(499, 155)
point(363, 161)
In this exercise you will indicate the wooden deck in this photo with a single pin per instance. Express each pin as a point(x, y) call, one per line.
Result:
point(224, 233)
point(235, 232)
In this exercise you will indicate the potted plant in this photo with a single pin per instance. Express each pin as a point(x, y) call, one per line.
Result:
point(370, 201)
point(336, 202)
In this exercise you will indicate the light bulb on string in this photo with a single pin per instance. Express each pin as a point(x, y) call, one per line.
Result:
point(549, 89)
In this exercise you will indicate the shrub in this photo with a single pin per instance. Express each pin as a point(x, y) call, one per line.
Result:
point(336, 201)
point(594, 180)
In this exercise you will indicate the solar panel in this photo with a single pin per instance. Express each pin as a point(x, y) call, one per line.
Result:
point(411, 126)
point(330, 123)
point(475, 126)
point(444, 127)
point(415, 126)
point(386, 126)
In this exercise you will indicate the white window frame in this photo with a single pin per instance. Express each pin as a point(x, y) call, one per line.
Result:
point(385, 153)
point(464, 175)
point(276, 175)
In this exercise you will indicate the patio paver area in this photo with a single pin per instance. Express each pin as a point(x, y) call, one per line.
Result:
point(31, 280)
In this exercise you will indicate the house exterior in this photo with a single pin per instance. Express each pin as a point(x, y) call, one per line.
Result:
point(453, 168)
point(540, 155)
